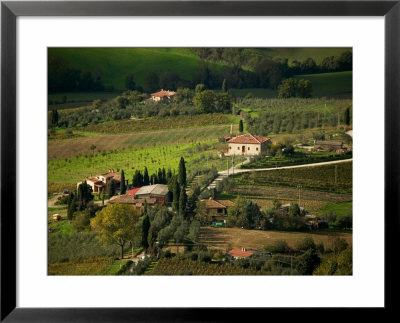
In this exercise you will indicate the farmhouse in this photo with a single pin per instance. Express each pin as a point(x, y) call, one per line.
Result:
point(99, 183)
point(130, 199)
point(217, 210)
point(162, 95)
point(239, 253)
point(158, 191)
point(248, 145)
point(328, 145)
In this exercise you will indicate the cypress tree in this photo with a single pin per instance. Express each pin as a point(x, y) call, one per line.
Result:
point(122, 185)
point(241, 125)
point(164, 176)
point(111, 188)
point(347, 116)
point(169, 174)
point(182, 201)
point(145, 230)
point(175, 196)
point(182, 172)
point(146, 179)
point(159, 176)
point(54, 118)
point(224, 87)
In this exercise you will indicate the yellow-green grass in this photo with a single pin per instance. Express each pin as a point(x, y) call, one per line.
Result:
point(241, 238)
point(332, 178)
point(341, 209)
point(115, 63)
point(330, 84)
point(256, 92)
point(158, 123)
point(81, 146)
point(312, 201)
point(74, 169)
point(91, 266)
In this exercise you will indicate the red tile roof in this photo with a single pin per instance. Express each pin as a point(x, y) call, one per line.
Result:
point(248, 139)
point(240, 253)
point(217, 204)
point(163, 93)
point(132, 191)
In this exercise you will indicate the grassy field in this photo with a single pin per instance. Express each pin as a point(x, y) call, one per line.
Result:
point(91, 266)
point(224, 238)
point(74, 169)
point(158, 123)
point(301, 54)
point(323, 84)
point(340, 209)
point(118, 62)
point(321, 178)
point(313, 201)
point(330, 84)
point(81, 146)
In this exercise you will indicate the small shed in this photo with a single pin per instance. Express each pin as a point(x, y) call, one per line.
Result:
point(56, 217)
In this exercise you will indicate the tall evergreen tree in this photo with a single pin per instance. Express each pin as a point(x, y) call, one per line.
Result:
point(169, 174)
point(182, 173)
point(224, 87)
point(137, 180)
point(111, 188)
point(175, 196)
point(347, 116)
point(164, 176)
point(54, 118)
point(145, 227)
point(241, 126)
point(182, 201)
point(122, 185)
point(159, 176)
point(146, 179)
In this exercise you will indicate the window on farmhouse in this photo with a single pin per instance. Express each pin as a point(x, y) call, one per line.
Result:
point(238, 148)
point(257, 148)
point(248, 148)
point(219, 210)
point(230, 147)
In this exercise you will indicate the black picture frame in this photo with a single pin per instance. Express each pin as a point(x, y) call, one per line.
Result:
point(10, 10)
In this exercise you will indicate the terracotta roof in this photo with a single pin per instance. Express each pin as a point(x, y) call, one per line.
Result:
point(112, 175)
point(132, 191)
point(226, 202)
point(240, 253)
point(163, 93)
point(248, 139)
point(217, 204)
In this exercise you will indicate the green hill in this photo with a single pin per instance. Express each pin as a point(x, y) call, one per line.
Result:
point(330, 84)
point(113, 64)
point(300, 54)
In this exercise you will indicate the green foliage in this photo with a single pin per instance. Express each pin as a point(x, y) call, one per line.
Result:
point(111, 188)
point(130, 82)
point(151, 82)
point(122, 183)
point(205, 101)
point(279, 246)
point(182, 172)
point(117, 224)
point(307, 262)
point(291, 88)
point(240, 125)
point(337, 264)
point(305, 244)
point(245, 214)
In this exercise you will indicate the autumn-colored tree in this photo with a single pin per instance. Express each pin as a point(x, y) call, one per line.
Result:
point(117, 224)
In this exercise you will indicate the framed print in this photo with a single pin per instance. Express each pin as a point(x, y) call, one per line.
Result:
point(193, 152)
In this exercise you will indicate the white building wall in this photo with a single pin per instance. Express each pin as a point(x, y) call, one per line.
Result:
point(249, 149)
